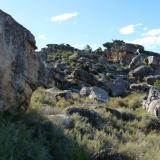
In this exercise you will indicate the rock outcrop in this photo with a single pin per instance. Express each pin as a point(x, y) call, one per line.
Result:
point(140, 72)
point(140, 87)
point(152, 102)
point(21, 70)
point(95, 93)
point(119, 51)
point(83, 75)
point(117, 87)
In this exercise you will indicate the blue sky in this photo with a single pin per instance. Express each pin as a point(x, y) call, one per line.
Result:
point(93, 22)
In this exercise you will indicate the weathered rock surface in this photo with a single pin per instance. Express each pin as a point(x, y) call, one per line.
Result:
point(140, 72)
point(117, 87)
point(138, 60)
point(126, 51)
point(83, 75)
point(140, 87)
point(152, 102)
point(97, 93)
point(153, 60)
point(21, 70)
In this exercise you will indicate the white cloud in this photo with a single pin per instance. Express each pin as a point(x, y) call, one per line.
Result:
point(42, 37)
point(149, 39)
point(152, 32)
point(63, 17)
point(149, 42)
point(129, 29)
point(145, 28)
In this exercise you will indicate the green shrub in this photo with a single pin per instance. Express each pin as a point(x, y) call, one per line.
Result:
point(39, 99)
point(62, 103)
point(157, 84)
point(17, 142)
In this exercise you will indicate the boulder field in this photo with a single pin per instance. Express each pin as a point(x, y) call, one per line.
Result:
point(116, 71)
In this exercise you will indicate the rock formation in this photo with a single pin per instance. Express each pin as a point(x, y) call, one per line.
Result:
point(21, 70)
point(152, 102)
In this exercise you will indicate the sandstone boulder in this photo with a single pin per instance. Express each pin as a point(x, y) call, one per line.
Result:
point(97, 93)
point(117, 87)
point(83, 75)
point(21, 70)
point(140, 72)
point(138, 60)
point(153, 60)
point(140, 87)
point(152, 102)
point(94, 93)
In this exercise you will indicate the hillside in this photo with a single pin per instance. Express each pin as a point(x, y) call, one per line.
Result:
point(64, 103)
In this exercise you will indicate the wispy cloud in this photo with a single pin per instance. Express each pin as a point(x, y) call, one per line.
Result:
point(150, 39)
point(63, 17)
point(42, 37)
point(129, 29)
point(152, 32)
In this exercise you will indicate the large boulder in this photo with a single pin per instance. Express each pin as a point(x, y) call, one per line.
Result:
point(119, 51)
point(83, 75)
point(140, 87)
point(94, 93)
point(138, 60)
point(140, 72)
point(97, 68)
point(152, 102)
point(97, 93)
point(21, 70)
point(117, 87)
point(154, 60)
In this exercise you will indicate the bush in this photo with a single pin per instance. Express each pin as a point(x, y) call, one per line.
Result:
point(62, 103)
point(39, 99)
point(157, 84)
point(17, 142)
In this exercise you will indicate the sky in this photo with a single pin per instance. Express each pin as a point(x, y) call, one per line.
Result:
point(93, 22)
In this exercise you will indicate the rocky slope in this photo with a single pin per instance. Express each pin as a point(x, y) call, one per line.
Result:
point(101, 74)
point(94, 107)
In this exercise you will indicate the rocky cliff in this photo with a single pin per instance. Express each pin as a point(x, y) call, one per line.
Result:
point(21, 69)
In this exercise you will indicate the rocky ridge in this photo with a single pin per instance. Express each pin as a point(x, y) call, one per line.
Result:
point(118, 70)
point(115, 71)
